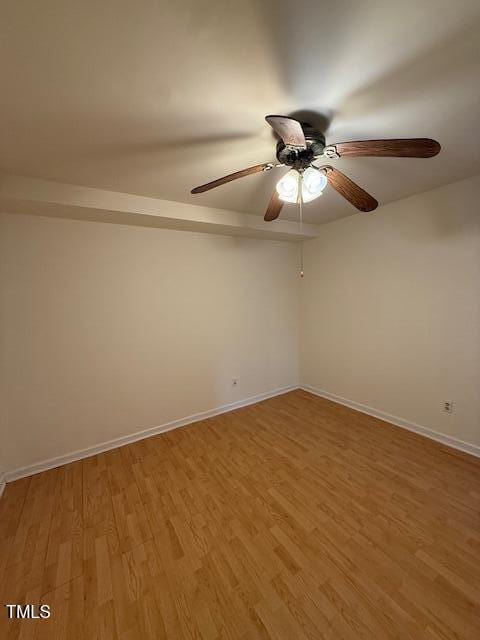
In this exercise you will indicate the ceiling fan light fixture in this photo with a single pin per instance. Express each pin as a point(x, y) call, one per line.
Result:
point(287, 186)
point(299, 143)
point(314, 182)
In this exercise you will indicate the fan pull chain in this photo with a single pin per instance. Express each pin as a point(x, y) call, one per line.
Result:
point(300, 216)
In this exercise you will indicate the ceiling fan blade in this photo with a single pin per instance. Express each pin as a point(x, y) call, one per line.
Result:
point(349, 190)
point(401, 148)
point(289, 130)
point(233, 176)
point(274, 207)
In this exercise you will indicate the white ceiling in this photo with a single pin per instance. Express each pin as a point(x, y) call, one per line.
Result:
point(152, 97)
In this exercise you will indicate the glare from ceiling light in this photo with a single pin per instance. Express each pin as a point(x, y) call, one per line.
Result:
point(313, 183)
point(287, 187)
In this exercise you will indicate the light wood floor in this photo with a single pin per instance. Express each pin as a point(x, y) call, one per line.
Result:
point(293, 518)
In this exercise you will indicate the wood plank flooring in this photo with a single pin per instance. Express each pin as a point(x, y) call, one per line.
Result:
point(293, 518)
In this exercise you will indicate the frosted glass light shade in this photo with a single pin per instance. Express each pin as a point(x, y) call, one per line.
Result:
point(287, 187)
point(313, 183)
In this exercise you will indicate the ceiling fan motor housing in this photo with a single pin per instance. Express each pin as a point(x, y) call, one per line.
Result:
point(302, 158)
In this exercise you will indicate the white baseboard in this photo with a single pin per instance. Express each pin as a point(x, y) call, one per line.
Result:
point(455, 443)
point(44, 465)
point(181, 422)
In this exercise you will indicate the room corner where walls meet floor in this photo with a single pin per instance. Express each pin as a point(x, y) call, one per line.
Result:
point(108, 357)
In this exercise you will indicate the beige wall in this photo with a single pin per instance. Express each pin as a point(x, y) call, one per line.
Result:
point(107, 330)
point(390, 309)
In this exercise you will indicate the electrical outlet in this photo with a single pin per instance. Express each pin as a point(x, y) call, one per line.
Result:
point(447, 406)
point(234, 382)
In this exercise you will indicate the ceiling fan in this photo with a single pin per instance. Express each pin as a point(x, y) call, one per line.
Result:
point(300, 145)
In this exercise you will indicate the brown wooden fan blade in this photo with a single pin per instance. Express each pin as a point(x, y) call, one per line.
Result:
point(274, 207)
point(349, 190)
point(406, 148)
point(289, 130)
point(232, 176)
